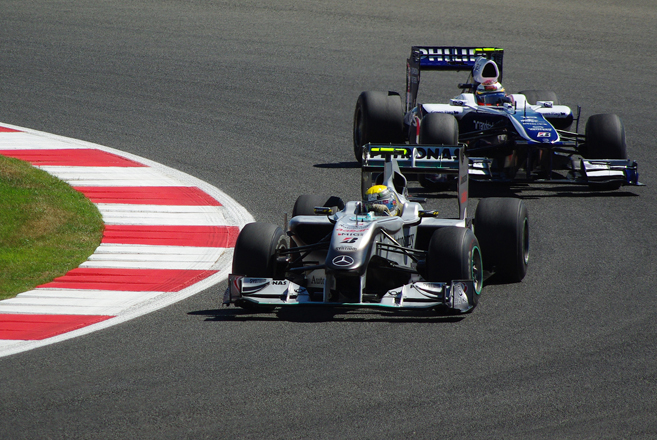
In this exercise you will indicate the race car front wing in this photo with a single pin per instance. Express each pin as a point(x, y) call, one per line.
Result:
point(284, 293)
point(585, 171)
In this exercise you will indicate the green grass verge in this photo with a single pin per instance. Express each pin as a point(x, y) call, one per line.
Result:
point(46, 227)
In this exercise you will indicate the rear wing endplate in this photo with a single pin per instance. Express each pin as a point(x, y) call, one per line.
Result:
point(445, 58)
point(416, 159)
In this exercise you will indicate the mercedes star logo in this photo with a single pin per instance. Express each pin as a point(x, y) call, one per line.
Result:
point(343, 260)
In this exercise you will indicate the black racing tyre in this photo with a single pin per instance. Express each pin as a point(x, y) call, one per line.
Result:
point(255, 250)
point(533, 96)
point(378, 118)
point(439, 129)
point(502, 227)
point(605, 137)
point(306, 203)
point(454, 254)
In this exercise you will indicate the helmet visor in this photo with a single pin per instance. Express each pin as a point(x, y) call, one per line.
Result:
point(496, 98)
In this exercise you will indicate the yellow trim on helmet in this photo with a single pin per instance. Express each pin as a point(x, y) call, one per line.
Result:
point(376, 189)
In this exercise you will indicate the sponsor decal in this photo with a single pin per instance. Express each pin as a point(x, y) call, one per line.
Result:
point(422, 153)
point(436, 153)
point(350, 234)
point(343, 261)
point(448, 54)
point(316, 281)
point(345, 248)
point(279, 283)
point(349, 240)
point(354, 228)
point(482, 125)
point(543, 134)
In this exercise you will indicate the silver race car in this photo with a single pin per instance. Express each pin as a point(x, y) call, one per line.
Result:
point(384, 250)
point(522, 137)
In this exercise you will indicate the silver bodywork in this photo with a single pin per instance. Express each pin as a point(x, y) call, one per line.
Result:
point(369, 260)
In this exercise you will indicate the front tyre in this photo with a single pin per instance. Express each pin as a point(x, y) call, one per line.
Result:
point(256, 251)
point(378, 118)
point(533, 96)
point(306, 203)
point(454, 254)
point(437, 129)
point(605, 137)
point(502, 227)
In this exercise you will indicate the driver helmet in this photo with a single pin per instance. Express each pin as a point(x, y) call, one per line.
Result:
point(490, 94)
point(379, 196)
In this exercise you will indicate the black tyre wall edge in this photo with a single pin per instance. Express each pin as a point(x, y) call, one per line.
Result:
point(378, 118)
point(502, 228)
point(255, 250)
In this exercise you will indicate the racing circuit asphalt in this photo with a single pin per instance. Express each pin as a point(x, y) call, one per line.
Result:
point(256, 98)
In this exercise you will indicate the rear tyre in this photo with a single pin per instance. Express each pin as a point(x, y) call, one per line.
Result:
point(454, 254)
point(533, 96)
point(502, 227)
point(378, 118)
point(437, 129)
point(256, 250)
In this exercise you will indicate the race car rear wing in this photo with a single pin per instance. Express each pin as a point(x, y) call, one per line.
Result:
point(397, 160)
point(444, 58)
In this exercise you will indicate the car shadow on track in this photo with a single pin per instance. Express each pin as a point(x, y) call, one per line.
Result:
point(353, 164)
point(542, 191)
point(527, 191)
point(325, 314)
point(480, 190)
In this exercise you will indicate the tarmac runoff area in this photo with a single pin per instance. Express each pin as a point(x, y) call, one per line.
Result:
point(167, 236)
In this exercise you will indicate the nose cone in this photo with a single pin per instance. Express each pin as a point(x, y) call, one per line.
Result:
point(346, 261)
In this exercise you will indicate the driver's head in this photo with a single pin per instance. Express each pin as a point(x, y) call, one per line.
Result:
point(490, 94)
point(381, 200)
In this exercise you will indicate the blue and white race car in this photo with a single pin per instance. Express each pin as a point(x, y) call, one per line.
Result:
point(520, 137)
